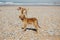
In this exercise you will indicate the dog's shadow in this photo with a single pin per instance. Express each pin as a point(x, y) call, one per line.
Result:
point(31, 29)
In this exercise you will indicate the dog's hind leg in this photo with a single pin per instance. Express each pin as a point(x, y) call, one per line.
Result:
point(36, 26)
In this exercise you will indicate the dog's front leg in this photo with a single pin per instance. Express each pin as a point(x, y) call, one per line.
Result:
point(24, 26)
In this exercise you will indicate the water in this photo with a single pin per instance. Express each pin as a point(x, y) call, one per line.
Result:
point(20, 3)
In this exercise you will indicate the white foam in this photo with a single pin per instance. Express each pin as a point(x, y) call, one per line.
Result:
point(9, 3)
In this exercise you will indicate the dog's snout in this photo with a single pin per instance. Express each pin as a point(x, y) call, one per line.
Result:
point(19, 16)
point(19, 8)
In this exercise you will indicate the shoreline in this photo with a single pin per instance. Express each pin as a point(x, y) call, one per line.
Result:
point(29, 5)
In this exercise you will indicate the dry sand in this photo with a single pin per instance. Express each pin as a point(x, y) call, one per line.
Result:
point(48, 18)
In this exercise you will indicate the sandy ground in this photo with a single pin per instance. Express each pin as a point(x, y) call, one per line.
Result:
point(48, 18)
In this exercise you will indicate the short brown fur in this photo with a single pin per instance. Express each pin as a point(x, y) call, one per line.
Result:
point(26, 20)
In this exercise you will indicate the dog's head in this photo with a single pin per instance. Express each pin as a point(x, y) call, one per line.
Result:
point(19, 8)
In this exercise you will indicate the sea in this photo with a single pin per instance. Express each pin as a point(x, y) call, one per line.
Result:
point(21, 3)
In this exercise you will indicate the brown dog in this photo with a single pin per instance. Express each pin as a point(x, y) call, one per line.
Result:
point(26, 20)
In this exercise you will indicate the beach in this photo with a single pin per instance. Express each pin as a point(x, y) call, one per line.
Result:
point(48, 19)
